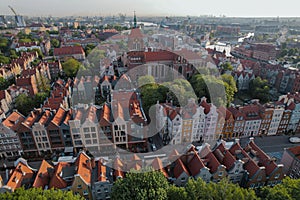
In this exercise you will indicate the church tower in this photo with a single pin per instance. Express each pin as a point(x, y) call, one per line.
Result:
point(135, 38)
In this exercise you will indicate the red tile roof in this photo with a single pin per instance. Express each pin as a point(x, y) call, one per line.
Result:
point(174, 155)
point(264, 159)
point(135, 33)
point(42, 178)
point(21, 172)
point(239, 153)
point(13, 120)
point(105, 116)
point(295, 151)
point(211, 162)
point(157, 165)
point(68, 50)
point(59, 116)
point(195, 165)
point(84, 167)
point(224, 156)
point(179, 168)
point(57, 181)
point(101, 172)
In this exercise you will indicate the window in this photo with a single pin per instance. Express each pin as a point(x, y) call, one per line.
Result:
point(85, 130)
point(93, 129)
point(221, 173)
point(88, 142)
point(259, 178)
point(79, 186)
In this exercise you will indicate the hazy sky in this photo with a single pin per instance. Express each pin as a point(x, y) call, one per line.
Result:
point(259, 8)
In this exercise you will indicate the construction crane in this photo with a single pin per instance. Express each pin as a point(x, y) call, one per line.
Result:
point(12, 10)
point(19, 19)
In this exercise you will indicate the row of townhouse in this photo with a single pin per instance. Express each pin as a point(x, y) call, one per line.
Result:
point(17, 65)
point(55, 125)
point(44, 130)
point(83, 175)
point(92, 178)
point(194, 122)
point(248, 166)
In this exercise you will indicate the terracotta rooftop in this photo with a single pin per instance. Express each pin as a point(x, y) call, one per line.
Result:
point(135, 33)
point(57, 181)
point(157, 165)
point(179, 168)
point(68, 50)
point(42, 178)
point(13, 120)
point(195, 165)
point(238, 152)
point(20, 173)
point(32, 117)
point(224, 156)
point(211, 162)
point(264, 159)
point(295, 151)
point(59, 116)
point(105, 116)
point(84, 168)
point(101, 172)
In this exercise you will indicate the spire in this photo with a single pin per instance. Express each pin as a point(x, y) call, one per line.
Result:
point(134, 21)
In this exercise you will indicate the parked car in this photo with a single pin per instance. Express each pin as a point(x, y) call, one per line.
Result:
point(294, 139)
point(153, 147)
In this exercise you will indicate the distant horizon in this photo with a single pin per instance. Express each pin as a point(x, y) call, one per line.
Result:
point(151, 8)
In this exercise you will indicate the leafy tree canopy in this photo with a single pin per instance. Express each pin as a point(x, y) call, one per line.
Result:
point(143, 185)
point(40, 194)
point(71, 67)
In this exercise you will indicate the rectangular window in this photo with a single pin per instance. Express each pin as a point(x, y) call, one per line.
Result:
point(86, 130)
point(93, 129)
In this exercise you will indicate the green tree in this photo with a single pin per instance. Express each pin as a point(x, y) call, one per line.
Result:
point(224, 190)
point(71, 67)
point(145, 184)
point(226, 67)
point(39, 52)
point(288, 189)
point(4, 59)
point(24, 104)
point(151, 93)
point(177, 193)
point(180, 90)
point(40, 194)
point(144, 80)
point(283, 53)
point(259, 89)
point(4, 45)
point(13, 54)
point(210, 87)
point(230, 87)
point(54, 42)
point(39, 98)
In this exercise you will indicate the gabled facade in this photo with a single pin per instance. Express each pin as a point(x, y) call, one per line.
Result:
point(21, 176)
point(274, 171)
point(10, 145)
point(256, 175)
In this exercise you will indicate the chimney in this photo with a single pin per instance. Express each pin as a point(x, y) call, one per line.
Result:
point(93, 162)
point(237, 140)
